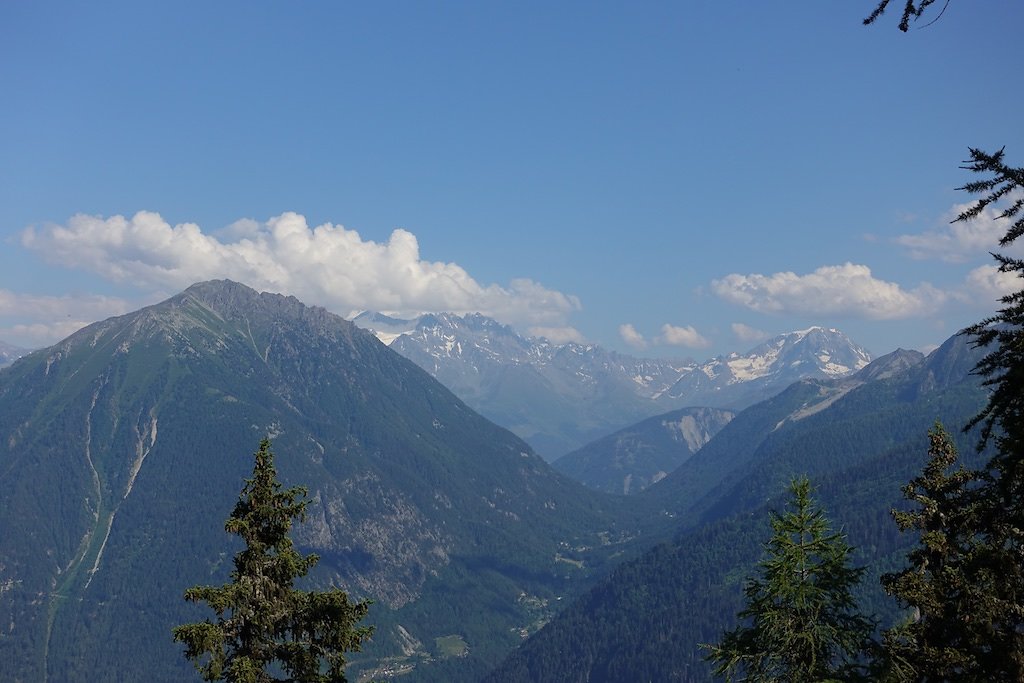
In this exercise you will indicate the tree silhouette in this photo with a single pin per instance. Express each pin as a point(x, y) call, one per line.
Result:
point(997, 511)
point(264, 626)
point(803, 624)
point(1001, 521)
point(944, 584)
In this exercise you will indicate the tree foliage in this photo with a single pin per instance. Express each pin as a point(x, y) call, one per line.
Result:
point(1002, 420)
point(996, 507)
point(1003, 367)
point(965, 579)
point(945, 579)
point(802, 621)
point(263, 624)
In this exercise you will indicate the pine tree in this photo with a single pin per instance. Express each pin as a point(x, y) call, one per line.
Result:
point(943, 581)
point(1001, 523)
point(263, 623)
point(803, 624)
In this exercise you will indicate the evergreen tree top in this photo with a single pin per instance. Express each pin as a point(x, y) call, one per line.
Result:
point(263, 624)
point(801, 621)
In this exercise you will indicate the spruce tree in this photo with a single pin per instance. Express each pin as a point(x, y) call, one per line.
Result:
point(1001, 523)
point(264, 626)
point(944, 580)
point(802, 623)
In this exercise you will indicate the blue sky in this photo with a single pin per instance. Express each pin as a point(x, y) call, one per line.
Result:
point(664, 179)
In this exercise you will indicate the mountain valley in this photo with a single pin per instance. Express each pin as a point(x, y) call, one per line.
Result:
point(859, 439)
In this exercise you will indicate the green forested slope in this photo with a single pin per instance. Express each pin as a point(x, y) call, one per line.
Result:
point(644, 622)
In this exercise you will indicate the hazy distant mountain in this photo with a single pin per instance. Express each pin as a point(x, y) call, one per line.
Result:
point(859, 438)
point(124, 448)
point(559, 397)
point(739, 380)
point(555, 396)
point(633, 458)
point(10, 353)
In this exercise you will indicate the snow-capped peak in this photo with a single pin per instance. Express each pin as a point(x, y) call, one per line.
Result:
point(827, 351)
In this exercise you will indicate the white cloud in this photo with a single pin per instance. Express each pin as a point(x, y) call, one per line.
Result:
point(327, 265)
point(682, 336)
point(558, 335)
point(746, 333)
point(632, 337)
point(989, 284)
point(959, 241)
point(32, 320)
point(848, 289)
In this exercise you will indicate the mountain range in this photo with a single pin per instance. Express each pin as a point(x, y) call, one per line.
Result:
point(559, 397)
point(125, 446)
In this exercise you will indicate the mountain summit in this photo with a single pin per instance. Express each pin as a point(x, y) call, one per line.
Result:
point(126, 444)
point(739, 380)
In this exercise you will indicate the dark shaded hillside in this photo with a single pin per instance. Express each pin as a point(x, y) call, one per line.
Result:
point(124, 448)
point(645, 621)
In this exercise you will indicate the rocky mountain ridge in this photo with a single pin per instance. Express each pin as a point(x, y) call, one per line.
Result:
point(126, 444)
point(559, 397)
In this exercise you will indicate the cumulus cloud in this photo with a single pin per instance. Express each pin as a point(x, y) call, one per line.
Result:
point(682, 336)
point(956, 242)
point(847, 289)
point(989, 284)
point(558, 335)
point(327, 265)
point(632, 337)
point(32, 320)
point(746, 333)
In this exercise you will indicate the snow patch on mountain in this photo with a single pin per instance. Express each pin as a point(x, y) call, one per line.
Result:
point(746, 368)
